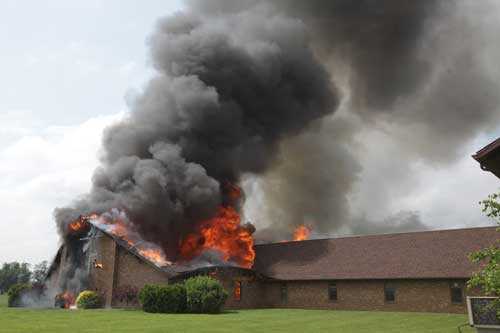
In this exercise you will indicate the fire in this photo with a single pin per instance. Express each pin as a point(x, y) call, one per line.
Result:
point(222, 233)
point(118, 228)
point(237, 290)
point(116, 223)
point(98, 265)
point(65, 300)
point(155, 255)
point(79, 225)
point(301, 233)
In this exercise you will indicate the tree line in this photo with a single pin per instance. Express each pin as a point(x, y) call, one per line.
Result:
point(15, 272)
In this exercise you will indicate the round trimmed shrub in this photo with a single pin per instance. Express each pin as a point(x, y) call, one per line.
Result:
point(204, 295)
point(148, 296)
point(88, 299)
point(15, 294)
point(175, 298)
point(163, 299)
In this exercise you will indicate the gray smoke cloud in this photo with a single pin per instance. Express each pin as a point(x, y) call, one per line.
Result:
point(413, 65)
point(409, 69)
point(309, 182)
point(249, 88)
point(227, 90)
point(401, 222)
point(377, 40)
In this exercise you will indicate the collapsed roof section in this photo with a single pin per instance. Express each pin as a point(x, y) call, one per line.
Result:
point(169, 269)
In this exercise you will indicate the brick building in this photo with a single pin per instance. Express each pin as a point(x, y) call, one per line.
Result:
point(419, 271)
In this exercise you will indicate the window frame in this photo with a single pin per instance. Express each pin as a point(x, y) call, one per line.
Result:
point(332, 285)
point(237, 285)
point(284, 293)
point(456, 285)
point(390, 286)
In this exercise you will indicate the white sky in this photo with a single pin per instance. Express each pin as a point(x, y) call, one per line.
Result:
point(66, 67)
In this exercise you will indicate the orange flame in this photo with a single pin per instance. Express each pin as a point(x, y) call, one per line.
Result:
point(301, 233)
point(155, 255)
point(223, 233)
point(79, 225)
point(119, 229)
point(116, 223)
point(98, 264)
point(237, 290)
point(67, 299)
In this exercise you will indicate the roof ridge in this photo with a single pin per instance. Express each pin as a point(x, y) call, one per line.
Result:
point(441, 253)
point(378, 235)
point(133, 250)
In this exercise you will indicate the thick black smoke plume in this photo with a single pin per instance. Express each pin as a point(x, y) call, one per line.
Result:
point(249, 88)
point(420, 72)
point(377, 40)
point(228, 89)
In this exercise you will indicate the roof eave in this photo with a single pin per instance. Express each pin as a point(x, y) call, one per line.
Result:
point(132, 250)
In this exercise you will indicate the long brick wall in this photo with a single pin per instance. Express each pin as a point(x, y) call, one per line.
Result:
point(411, 295)
point(121, 268)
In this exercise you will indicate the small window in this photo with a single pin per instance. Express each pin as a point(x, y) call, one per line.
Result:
point(332, 291)
point(456, 293)
point(237, 290)
point(390, 293)
point(284, 293)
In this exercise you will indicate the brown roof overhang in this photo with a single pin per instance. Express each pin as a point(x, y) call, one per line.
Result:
point(489, 157)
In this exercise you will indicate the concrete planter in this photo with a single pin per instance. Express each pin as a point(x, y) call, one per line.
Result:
point(481, 317)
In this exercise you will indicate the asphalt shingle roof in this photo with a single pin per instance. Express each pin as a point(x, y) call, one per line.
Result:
point(416, 255)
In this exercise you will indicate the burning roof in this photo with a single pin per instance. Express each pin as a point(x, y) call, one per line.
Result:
point(151, 256)
point(223, 234)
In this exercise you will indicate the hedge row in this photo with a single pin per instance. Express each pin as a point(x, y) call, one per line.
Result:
point(163, 299)
point(199, 294)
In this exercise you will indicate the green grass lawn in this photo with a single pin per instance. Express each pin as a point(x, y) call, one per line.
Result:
point(276, 320)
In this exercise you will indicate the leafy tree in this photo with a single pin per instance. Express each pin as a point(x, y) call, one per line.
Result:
point(13, 273)
point(16, 291)
point(39, 272)
point(488, 279)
